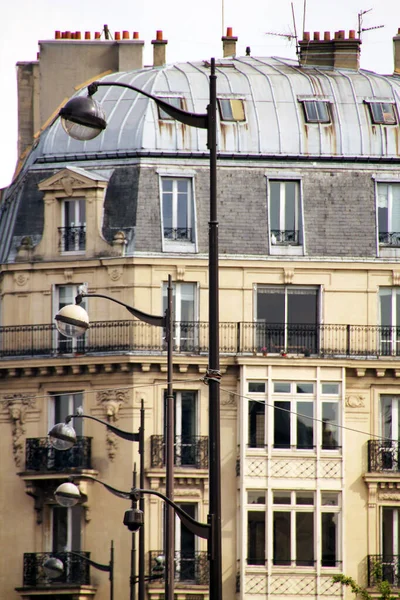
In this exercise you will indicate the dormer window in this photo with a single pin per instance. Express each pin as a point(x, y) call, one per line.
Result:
point(383, 113)
point(316, 111)
point(73, 225)
point(174, 101)
point(231, 109)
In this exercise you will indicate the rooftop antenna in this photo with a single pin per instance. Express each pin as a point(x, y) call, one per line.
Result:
point(289, 36)
point(360, 23)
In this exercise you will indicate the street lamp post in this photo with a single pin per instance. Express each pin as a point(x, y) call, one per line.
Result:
point(72, 320)
point(54, 567)
point(83, 119)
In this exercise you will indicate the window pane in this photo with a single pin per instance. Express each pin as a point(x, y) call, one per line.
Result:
point(388, 515)
point(305, 539)
point(257, 387)
point(174, 101)
point(330, 438)
point(305, 388)
point(256, 538)
point(330, 388)
point(281, 424)
point(382, 204)
point(305, 498)
point(302, 306)
point(386, 416)
point(76, 525)
point(256, 497)
point(329, 499)
point(311, 110)
point(290, 206)
point(281, 538)
point(281, 387)
point(225, 109)
point(256, 424)
point(282, 497)
point(305, 425)
point(237, 110)
point(274, 204)
point(271, 305)
point(329, 539)
point(385, 299)
point(60, 529)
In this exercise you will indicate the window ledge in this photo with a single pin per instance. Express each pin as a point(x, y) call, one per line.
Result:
point(284, 250)
point(173, 246)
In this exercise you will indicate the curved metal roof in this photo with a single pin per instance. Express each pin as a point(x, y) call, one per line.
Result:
point(275, 125)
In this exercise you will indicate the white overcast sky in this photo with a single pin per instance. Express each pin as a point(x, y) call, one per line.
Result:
point(193, 31)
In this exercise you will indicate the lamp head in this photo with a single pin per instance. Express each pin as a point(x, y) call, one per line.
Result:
point(159, 567)
point(62, 436)
point(83, 118)
point(67, 494)
point(72, 320)
point(53, 567)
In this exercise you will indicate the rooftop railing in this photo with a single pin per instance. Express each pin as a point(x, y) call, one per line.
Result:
point(236, 338)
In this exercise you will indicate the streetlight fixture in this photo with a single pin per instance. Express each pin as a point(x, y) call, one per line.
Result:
point(54, 567)
point(73, 321)
point(82, 117)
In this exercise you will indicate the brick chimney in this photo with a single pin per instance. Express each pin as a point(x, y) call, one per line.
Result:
point(396, 52)
point(159, 47)
point(229, 43)
point(339, 52)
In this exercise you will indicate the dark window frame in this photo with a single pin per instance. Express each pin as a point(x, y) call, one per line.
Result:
point(377, 113)
point(320, 115)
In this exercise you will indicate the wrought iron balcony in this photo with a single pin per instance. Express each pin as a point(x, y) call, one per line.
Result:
point(383, 455)
point(389, 238)
point(190, 451)
point(42, 457)
point(284, 237)
point(240, 338)
point(72, 239)
point(76, 571)
point(390, 565)
point(190, 567)
point(178, 234)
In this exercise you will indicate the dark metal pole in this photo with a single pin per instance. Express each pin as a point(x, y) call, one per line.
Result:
point(169, 443)
point(132, 580)
point(141, 506)
point(213, 354)
point(111, 576)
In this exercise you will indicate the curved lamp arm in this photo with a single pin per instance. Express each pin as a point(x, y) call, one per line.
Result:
point(94, 564)
point(155, 320)
point(110, 488)
point(126, 435)
point(199, 120)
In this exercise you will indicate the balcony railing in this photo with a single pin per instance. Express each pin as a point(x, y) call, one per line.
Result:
point(192, 337)
point(42, 457)
point(178, 233)
point(383, 455)
point(76, 571)
point(72, 239)
point(389, 238)
point(284, 237)
point(390, 565)
point(190, 567)
point(190, 451)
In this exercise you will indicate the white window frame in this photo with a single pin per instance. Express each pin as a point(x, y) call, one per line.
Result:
point(73, 344)
point(275, 246)
point(177, 307)
point(394, 242)
point(393, 340)
point(68, 547)
point(77, 222)
point(179, 245)
point(294, 398)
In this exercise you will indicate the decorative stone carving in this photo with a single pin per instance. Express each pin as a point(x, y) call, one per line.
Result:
point(288, 275)
point(17, 406)
point(119, 243)
point(228, 399)
point(180, 273)
point(68, 274)
point(393, 495)
point(355, 401)
point(24, 252)
point(395, 277)
point(111, 401)
point(115, 273)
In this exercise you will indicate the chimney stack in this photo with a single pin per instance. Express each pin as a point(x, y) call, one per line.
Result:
point(159, 50)
point(396, 52)
point(339, 52)
point(229, 43)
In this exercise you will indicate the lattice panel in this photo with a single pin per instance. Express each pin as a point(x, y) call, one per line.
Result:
point(256, 584)
point(299, 585)
point(256, 467)
point(328, 588)
point(289, 467)
point(330, 468)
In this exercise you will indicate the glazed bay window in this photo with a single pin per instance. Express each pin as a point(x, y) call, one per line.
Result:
point(293, 415)
point(287, 319)
point(330, 514)
point(177, 211)
point(256, 538)
point(293, 528)
point(330, 416)
point(73, 225)
point(389, 308)
point(388, 207)
point(256, 414)
point(285, 214)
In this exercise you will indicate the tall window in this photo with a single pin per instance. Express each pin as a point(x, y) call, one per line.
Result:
point(185, 562)
point(184, 315)
point(256, 527)
point(66, 528)
point(188, 449)
point(389, 304)
point(73, 229)
point(177, 210)
point(63, 405)
point(287, 319)
point(285, 213)
point(293, 417)
point(63, 295)
point(293, 528)
point(330, 512)
point(388, 206)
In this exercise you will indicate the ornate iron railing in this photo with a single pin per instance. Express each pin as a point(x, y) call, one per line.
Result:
point(190, 451)
point(41, 456)
point(192, 337)
point(72, 239)
point(190, 567)
point(383, 455)
point(389, 238)
point(390, 568)
point(286, 236)
point(178, 233)
point(76, 571)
